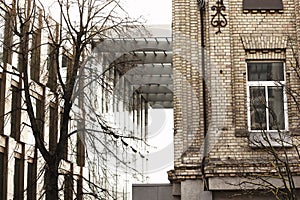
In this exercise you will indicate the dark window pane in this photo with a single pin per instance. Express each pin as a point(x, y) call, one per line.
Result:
point(276, 108)
point(2, 106)
point(2, 173)
point(18, 180)
point(258, 108)
point(2, 23)
point(40, 114)
point(35, 56)
point(52, 68)
point(265, 72)
point(66, 61)
point(80, 152)
point(68, 190)
point(262, 5)
point(8, 38)
point(15, 113)
point(31, 181)
point(53, 128)
point(79, 189)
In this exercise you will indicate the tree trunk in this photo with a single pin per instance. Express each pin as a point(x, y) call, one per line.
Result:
point(51, 182)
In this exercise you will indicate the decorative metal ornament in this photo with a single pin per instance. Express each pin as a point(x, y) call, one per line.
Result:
point(201, 4)
point(218, 19)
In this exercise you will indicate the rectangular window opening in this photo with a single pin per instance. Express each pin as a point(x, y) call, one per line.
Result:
point(266, 97)
point(53, 128)
point(40, 114)
point(15, 113)
point(32, 180)
point(79, 192)
point(68, 187)
point(2, 176)
point(19, 179)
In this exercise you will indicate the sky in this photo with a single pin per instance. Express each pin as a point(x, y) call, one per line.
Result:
point(157, 12)
point(154, 11)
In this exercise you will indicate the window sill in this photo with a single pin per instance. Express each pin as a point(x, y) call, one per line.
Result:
point(267, 139)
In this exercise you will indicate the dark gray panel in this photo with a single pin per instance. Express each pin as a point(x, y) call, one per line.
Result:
point(262, 5)
point(152, 192)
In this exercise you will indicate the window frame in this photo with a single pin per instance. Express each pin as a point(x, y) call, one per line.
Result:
point(267, 84)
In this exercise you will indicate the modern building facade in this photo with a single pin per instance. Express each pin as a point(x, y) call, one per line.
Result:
point(97, 164)
point(236, 113)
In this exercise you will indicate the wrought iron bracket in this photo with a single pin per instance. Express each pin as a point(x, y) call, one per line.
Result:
point(201, 4)
point(219, 18)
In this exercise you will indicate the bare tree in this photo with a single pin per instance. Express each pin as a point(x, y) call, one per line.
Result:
point(78, 24)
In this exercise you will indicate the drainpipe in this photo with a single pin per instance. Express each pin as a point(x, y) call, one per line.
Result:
point(201, 5)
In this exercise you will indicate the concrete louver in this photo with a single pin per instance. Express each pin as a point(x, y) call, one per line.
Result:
point(146, 65)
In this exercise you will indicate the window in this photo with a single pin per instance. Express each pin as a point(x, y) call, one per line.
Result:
point(68, 189)
point(8, 38)
point(2, 25)
point(31, 180)
point(2, 106)
point(262, 5)
point(79, 192)
point(52, 67)
point(35, 56)
point(40, 114)
point(36, 50)
point(267, 107)
point(19, 179)
point(2, 176)
point(80, 152)
point(53, 128)
point(15, 113)
point(65, 61)
point(65, 150)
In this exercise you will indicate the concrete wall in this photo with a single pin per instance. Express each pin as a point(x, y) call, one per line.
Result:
point(152, 192)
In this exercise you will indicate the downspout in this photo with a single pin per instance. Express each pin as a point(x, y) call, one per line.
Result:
point(201, 5)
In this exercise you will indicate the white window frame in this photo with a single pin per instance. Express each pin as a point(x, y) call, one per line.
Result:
point(266, 84)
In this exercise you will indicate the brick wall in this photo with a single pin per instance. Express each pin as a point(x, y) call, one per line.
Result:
point(249, 35)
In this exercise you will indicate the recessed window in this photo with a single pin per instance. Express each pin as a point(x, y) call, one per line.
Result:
point(40, 114)
point(31, 180)
point(262, 5)
point(15, 113)
point(7, 37)
point(19, 179)
point(79, 192)
point(68, 187)
point(53, 128)
point(2, 176)
point(52, 67)
point(80, 152)
point(2, 25)
point(267, 107)
point(35, 56)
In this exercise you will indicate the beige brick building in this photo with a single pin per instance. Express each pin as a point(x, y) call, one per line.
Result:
point(235, 84)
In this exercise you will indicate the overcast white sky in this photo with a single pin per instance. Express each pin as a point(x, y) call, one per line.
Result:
point(154, 11)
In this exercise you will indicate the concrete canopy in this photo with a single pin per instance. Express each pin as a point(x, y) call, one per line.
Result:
point(146, 64)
